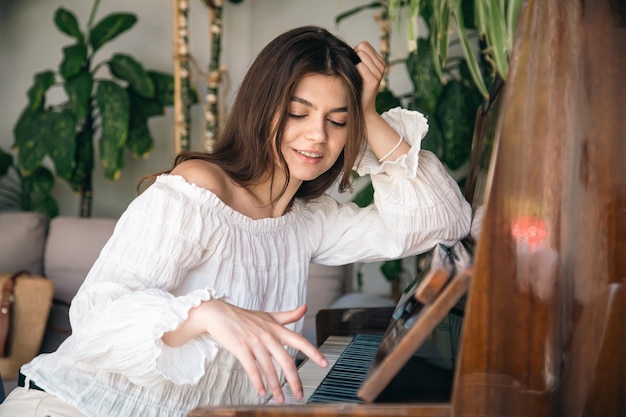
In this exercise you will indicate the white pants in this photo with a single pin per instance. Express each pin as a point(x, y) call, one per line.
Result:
point(24, 402)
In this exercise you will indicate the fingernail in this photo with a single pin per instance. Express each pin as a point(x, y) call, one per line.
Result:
point(324, 363)
point(262, 393)
point(299, 395)
point(280, 398)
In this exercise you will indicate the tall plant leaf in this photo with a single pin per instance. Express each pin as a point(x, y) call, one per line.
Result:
point(59, 141)
point(110, 27)
point(139, 141)
point(439, 22)
point(512, 13)
point(112, 159)
point(114, 107)
point(78, 90)
point(472, 63)
point(29, 135)
point(67, 23)
point(497, 33)
point(126, 68)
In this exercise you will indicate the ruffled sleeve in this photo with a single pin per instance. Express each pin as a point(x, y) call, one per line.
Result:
point(416, 205)
point(413, 126)
point(127, 301)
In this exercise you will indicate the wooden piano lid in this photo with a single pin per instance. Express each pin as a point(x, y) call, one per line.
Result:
point(546, 315)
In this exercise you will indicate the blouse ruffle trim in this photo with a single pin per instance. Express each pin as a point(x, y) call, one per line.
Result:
point(413, 126)
point(142, 355)
point(204, 195)
point(184, 364)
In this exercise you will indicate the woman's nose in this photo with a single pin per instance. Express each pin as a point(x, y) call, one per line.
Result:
point(317, 131)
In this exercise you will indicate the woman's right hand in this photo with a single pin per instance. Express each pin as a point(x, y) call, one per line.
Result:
point(257, 339)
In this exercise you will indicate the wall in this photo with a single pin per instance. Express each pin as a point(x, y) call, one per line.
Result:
point(29, 42)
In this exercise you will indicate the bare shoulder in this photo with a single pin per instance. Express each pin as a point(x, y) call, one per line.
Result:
point(203, 174)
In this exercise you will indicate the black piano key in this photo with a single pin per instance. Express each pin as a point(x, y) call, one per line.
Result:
point(347, 375)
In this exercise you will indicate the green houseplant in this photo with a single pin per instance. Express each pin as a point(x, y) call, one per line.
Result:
point(107, 110)
point(448, 90)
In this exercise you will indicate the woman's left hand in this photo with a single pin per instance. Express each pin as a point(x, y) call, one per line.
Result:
point(372, 69)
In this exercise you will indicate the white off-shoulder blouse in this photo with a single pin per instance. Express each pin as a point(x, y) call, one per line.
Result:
point(178, 244)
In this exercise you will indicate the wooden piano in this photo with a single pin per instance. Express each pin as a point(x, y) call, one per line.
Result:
point(545, 317)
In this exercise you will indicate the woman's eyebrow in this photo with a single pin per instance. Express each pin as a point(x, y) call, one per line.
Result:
point(314, 107)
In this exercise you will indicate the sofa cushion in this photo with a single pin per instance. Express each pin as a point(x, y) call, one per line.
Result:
point(22, 240)
point(73, 245)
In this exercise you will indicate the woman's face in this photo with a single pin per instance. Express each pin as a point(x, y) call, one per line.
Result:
point(316, 129)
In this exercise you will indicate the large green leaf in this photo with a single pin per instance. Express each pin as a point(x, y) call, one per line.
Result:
point(41, 133)
point(67, 23)
point(139, 141)
point(37, 93)
point(144, 106)
point(114, 106)
point(74, 60)
point(78, 91)
point(112, 159)
point(126, 68)
point(59, 141)
point(21, 130)
point(164, 88)
point(110, 27)
point(29, 133)
point(456, 113)
point(426, 83)
point(6, 162)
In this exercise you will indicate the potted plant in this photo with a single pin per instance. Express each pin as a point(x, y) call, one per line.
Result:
point(109, 110)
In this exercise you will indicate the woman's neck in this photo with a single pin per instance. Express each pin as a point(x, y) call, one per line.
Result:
point(261, 200)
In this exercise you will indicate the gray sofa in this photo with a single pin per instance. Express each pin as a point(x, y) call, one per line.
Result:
point(64, 249)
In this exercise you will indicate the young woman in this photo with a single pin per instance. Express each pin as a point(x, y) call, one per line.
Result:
point(197, 298)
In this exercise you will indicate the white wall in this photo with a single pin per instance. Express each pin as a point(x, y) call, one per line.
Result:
point(29, 42)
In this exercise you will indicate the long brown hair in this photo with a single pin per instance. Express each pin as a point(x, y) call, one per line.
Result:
point(244, 149)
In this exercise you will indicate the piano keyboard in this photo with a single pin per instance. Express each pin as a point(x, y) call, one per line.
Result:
point(349, 359)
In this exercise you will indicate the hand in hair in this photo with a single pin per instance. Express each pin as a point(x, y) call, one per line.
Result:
point(384, 141)
point(371, 68)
